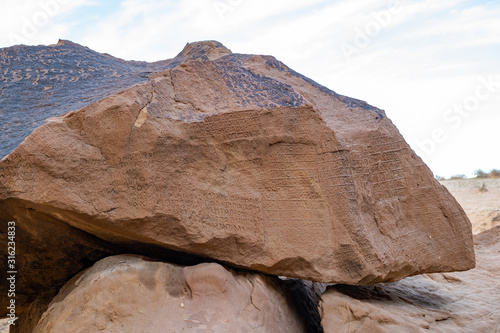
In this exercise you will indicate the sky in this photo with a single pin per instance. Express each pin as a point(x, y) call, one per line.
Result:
point(433, 66)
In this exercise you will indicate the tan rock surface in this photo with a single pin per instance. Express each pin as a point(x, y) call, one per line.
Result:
point(132, 294)
point(480, 199)
point(4, 325)
point(240, 159)
point(460, 302)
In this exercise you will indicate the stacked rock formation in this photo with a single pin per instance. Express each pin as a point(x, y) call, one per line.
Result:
point(211, 156)
point(461, 302)
point(137, 293)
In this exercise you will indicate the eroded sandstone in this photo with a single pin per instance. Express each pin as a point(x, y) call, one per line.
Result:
point(240, 159)
point(462, 302)
point(134, 294)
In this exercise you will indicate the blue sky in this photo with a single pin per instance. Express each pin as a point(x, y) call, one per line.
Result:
point(432, 65)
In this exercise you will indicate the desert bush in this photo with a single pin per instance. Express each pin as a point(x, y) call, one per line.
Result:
point(460, 176)
point(480, 174)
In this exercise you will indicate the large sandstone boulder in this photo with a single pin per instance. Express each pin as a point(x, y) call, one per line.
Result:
point(462, 302)
point(134, 294)
point(237, 158)
point(39, 82)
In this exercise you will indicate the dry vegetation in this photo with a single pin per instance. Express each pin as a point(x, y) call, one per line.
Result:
point(494, 173)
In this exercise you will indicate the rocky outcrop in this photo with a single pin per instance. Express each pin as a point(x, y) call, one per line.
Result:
point(232, 157)
point(465, 302)
point(134, 294)
point(39, 82)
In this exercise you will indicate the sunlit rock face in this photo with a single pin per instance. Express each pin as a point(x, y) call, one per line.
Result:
point(462, 302)
point(135, 294)
point(225, 156)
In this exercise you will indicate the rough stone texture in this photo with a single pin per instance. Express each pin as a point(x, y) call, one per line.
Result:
point(39, 82)
point(462, 302)
point(28, 320)
point(237, 158)
point(306, 296)
point(133, 294)
point(49, 251)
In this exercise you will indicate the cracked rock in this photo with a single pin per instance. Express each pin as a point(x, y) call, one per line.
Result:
point(232, 157)
point(130, 294)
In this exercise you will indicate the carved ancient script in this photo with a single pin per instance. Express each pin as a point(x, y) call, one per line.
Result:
point(39, 82)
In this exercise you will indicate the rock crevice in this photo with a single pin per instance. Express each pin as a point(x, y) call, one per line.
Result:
point(231, 157)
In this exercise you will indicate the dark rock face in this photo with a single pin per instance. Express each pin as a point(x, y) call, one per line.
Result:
point(41, 239)
point(40, 82)
point(236, 158)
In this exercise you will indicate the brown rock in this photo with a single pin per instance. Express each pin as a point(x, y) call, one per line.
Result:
point(450, 302)
point(133, 294)
point(241, 159)
point(30, 317)
point(39, 82)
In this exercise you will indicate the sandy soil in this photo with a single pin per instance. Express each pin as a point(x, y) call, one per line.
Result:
point(4, 325)
point(480, 198)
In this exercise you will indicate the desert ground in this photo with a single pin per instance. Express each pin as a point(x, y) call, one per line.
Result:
point(4, 326)
point(480, 198)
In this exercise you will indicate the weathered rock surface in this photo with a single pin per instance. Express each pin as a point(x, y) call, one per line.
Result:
point(133, 294)
point(39, 82)
point(237, 158)
point(451, 302)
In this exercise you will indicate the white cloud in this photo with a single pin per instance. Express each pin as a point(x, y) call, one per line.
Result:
point(34, 22)
point(426, 58)
point(159, 28)
point(466, 27)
